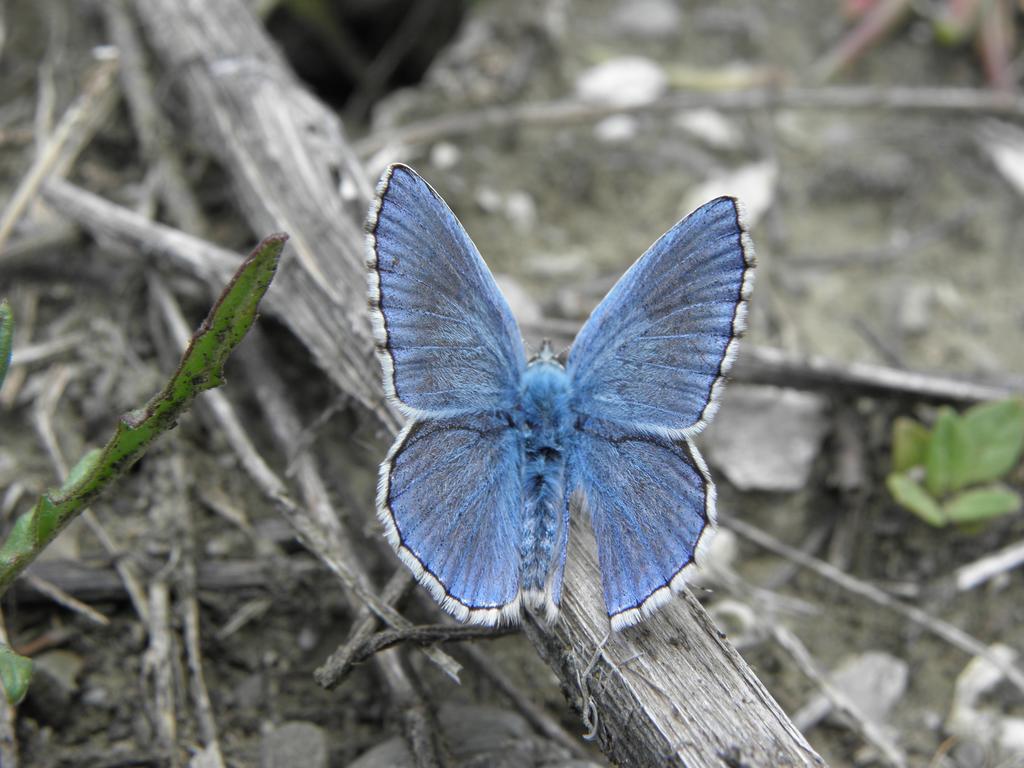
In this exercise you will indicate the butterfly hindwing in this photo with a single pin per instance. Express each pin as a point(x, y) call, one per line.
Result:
point(450, 499)
point(654, 352)
point(445, 335)
point(652, 507)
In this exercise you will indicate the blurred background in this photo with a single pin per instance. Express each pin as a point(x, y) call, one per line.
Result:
point(874, 425)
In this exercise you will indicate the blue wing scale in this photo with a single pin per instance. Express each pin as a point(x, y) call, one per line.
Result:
point(655, 352)
point(446, 338)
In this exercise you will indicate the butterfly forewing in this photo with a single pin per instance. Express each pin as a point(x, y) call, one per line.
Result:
point(445, 335)
point(654, 352)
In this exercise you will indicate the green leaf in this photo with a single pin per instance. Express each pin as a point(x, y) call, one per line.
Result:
point(910, 495)
point(910, 441)
point(15, 675)
point(201, 368)
point(956, 22)
point(996, 435)
point(6, 336)
point(982, 504)
point(948, 457)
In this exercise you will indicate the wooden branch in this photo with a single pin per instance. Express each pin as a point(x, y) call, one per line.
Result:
point(688, 698)
point(968, 102)
point(281, 148)
point(95, 583)
point(668, 692)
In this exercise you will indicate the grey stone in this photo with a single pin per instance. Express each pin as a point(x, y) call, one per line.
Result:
point(293, 744)
point(624, 82)
point(766, 438)
point(647, 19)
point(873, 681)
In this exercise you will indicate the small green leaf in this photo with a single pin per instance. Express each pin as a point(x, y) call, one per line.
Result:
point(981, 504)
point(15, 675)
point(996, 435)
point(910, 440)
point(956, 22)
point(82, 469)
point(910, 495)
point(949, 455)
point(6, 335)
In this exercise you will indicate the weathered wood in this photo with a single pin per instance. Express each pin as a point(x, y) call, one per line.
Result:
point(284, 152)
point(100, 583)
point(671, 692)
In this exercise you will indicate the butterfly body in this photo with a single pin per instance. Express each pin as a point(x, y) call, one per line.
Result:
point(547, 428)
point(474, 494)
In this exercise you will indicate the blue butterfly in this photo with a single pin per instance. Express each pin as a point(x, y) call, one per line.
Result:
point(474, 494)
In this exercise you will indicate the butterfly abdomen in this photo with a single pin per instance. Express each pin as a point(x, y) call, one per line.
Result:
point(546, 426)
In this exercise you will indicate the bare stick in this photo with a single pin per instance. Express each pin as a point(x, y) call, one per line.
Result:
point(67, 139)
point(339, 663)
point(59, 596)
point(102, 583)
point(864, 726)
point(274, 139)
point(156, 664)
point(972, 575)
point(649, 693)
point(948, 632)
point(773, 366)
point(426, 635)
point(188, 606)
point(969, 102)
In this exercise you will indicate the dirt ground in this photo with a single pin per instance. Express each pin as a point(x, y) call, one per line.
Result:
point(883, 236)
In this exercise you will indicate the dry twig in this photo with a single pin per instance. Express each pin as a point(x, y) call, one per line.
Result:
point(972, 575)
point(156, 664)
point(71, 135)
point(969, 102)
point(864, 726)
point(188, 606)
point(943, 629)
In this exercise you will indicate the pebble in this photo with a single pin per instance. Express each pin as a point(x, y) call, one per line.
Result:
point(873, 681)
point(753, 184)
point(628, 81)
point(710, 127)
point(54, 685)
point(971, 719)
point(521, 210)
point(524, 307)
point(647, 19)
point(444, 155)
point(616, 129)
point(915, 309)
point(767, 438)
point(293, 744)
